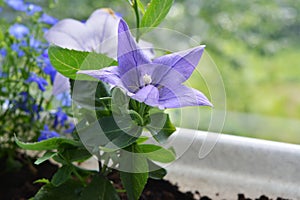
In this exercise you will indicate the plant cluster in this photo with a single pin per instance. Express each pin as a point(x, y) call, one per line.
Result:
point(119, 91)
point(27, 106)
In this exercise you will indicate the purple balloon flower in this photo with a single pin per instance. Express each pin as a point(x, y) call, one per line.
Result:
point(97, 34)
point(156, 83)
point(47, 134)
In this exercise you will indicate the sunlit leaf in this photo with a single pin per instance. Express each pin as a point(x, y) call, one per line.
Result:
point(69, 62)
point(155, 13)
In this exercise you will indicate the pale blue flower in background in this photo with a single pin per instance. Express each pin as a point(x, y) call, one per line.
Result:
point(20, 5)
point(17, 47)
point(41, 82)
point(47, 134)
point(32, 8)
point(64, 98)
point(19, 31)
point(47, 19)
point(60, 117)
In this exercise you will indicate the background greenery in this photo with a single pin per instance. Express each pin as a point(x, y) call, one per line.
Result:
point(254, 44)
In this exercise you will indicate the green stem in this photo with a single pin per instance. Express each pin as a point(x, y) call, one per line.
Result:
point(137, 15)
point(105, 165)
point(74, 169)
point(79, 177)
point(141, 120)
point(100, 167)
point(142, 109)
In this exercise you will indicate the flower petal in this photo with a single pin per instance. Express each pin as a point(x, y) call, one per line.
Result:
point(109, 75)
point(181, 96)
point(184, 62)
point(129, 54)
point(149, 95)
point(68, 33)
point(98, 34)
point(102, 28)
point(61, 84)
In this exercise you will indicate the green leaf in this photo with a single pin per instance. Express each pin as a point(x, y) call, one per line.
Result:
point(49, 144)
point(134, 183)
point(76, 154)
point(45, 157)
point(108, 135)
point(142, 139)
point(134, 172)
point(100, 188)
point(43, 180)
point(62, 175)
point(160, 126)
point(155, 13)
point(157, 153)
point(69, 62)
point(141, 6)
point(67, 191)
point(155, 171)
point(117, 135)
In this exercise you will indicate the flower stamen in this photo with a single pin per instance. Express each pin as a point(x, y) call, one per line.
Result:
point(147, 79)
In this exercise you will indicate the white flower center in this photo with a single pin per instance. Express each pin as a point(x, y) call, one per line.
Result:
point(147, 79)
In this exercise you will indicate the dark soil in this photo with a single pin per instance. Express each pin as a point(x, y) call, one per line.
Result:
point(155, 190)
point(18, 185)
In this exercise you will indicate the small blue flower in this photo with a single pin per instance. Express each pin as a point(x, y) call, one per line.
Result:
point(27, 104)
point(19, 31)
point(60, 117)
point(47, 19)
point(32, 8)
point(64, 98)
point(46, 65)
point(46, 134)
point(50, 70)
point(3, 74)
point(18, 5)
point(70, 129)
point(35, 44)
point(3, 52)
point(17, 48)
point(41, 82)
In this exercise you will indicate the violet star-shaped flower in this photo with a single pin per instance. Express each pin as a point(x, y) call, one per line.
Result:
point(156, 83)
